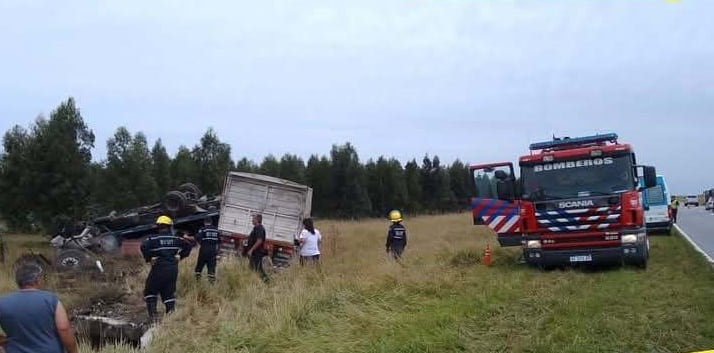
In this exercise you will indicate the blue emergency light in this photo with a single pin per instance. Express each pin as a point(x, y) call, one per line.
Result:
point(567, 141)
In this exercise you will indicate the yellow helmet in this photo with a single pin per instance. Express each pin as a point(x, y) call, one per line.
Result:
point(395, 216)
point(164, 220)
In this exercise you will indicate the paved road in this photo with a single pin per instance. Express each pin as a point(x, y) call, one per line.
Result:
point(699, 225)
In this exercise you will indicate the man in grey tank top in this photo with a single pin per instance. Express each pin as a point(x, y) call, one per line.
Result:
point(34, 320)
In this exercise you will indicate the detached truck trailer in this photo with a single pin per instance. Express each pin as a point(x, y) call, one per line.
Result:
point(282, 203)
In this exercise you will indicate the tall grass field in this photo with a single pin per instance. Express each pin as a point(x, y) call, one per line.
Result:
point(440, 298)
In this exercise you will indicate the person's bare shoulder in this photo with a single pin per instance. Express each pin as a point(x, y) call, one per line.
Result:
point(61, 318)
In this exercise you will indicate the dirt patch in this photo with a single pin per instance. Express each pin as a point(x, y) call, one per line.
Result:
point(112, 322)
point(106, 307)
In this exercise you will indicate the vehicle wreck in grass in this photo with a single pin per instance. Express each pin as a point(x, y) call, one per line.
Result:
point(98, 259)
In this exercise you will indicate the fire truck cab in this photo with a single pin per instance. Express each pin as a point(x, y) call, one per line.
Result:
point(577, 201)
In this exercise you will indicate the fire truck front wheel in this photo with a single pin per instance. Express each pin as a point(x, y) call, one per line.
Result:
point(641, 262)
point(638, 258)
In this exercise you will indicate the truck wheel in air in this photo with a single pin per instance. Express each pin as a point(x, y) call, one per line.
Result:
point(71, 259)
point(174, 201)
point(191, 190)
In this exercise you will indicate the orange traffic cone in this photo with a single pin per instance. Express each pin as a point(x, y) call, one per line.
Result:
point(487, 256)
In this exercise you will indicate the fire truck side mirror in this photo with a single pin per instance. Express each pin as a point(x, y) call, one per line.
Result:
point(649, 174)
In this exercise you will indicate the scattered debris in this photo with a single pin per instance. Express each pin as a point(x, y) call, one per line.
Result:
point(102, 330)
point(107, 306)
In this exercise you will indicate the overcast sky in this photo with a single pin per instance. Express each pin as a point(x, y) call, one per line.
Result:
point(475, 80)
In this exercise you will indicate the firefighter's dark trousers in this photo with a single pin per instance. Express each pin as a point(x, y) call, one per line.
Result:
point(396, 250)
point(161, 281)
point(207, 259)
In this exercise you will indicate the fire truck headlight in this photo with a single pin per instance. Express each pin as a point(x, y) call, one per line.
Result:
point(628, 239)
point(533, 244)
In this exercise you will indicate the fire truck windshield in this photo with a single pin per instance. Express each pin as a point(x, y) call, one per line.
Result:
point(578, 177)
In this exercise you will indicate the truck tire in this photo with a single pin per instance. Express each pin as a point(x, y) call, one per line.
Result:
point(190, 189)
point(641, 262)
point(71, 259)
point(174, 201)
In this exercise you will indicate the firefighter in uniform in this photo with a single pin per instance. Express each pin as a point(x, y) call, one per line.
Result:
point(208, 240)
point(163, 251)
point(397, 235)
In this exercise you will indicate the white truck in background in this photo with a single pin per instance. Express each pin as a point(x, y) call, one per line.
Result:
point(692, 200)
point(282, 203)
point(658, 212)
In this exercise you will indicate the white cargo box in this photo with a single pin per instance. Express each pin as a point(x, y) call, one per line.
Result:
point(283, 203)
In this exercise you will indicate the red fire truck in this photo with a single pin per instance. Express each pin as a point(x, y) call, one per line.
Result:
point(577, 200)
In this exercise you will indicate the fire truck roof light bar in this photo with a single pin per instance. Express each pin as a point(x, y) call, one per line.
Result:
point(566, 141)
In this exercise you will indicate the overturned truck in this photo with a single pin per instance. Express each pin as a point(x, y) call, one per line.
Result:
point(123, 232)
point(114, 311)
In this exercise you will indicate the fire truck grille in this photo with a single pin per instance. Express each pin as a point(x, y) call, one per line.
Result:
point(582, 219)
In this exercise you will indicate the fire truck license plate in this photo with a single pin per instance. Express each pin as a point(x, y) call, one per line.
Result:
point(581, 258)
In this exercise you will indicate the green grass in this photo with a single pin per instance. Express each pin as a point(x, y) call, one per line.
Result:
point(521, 310)
point(442, 299)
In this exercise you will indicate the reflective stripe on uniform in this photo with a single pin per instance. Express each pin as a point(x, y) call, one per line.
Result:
point(166, 248)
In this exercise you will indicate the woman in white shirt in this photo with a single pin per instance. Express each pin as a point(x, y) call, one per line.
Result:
point(310, 241)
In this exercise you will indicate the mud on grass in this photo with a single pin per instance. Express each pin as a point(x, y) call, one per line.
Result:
point(107, 308)
point(113, 292)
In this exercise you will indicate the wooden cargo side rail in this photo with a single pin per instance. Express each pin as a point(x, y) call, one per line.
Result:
point(233, 242)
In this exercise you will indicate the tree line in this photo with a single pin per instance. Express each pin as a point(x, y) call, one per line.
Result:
point(48, 176)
